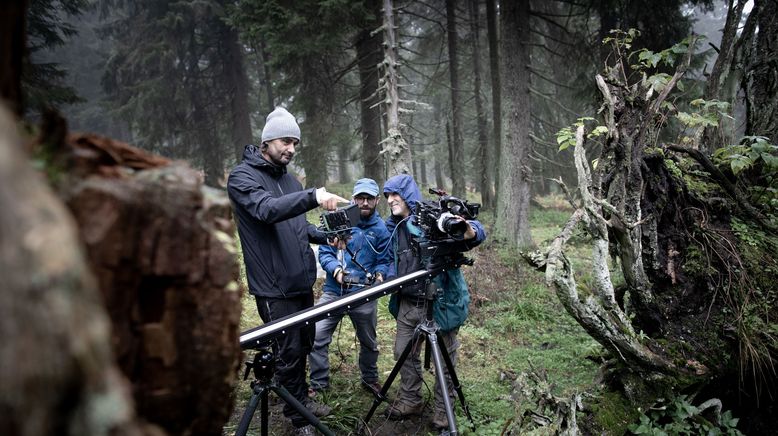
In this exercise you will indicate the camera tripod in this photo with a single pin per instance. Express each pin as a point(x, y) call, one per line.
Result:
point(428, 329)
point(263, 367)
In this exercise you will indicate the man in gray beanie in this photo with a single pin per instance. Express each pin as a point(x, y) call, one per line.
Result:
point(270, 206)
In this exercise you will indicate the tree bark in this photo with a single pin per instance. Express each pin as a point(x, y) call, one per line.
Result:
point(57, 372)
point(482, 150)
point(238, 86)
point(493, 170)
point(515, 171)
point(161, 245)
point(761, 73)
point(369, 52)
point(457, 147)
point(396, 150)
point(268, 77)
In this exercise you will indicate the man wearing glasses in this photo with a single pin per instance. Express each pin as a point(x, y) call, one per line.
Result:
point(270, 206)
point(348, 270)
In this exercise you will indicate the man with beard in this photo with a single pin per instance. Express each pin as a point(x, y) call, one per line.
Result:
point(270, 206)
point(365, 252)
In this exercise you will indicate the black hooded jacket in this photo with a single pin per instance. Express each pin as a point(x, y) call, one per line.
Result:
point(270, 207)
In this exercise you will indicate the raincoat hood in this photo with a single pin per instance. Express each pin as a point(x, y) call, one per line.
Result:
point(406, 187)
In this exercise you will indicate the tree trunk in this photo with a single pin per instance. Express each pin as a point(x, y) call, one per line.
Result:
point(13, 49)
point(493, 170)
point(720, 72)
point(396, 150)
point(238, 85)
point(482, 150)
point(515, 172)
point(268, 76)
point(761, 73)
point(161, 245)
point(458, 167)
point(369, 53)
point(57, 373)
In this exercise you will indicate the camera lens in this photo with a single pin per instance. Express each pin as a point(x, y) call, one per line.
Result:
point(451, 225)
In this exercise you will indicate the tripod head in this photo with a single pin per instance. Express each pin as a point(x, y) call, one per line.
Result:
point(263, 366)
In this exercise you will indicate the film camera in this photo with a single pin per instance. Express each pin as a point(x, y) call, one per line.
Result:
point(438, 219)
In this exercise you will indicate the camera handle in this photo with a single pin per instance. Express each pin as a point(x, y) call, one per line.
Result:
point(263, 367)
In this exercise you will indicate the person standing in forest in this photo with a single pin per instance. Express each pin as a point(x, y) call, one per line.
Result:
point(365, 252)
point(409, 305)
point(270, 206)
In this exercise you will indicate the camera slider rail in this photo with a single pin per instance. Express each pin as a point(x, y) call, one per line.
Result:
point(259, 336)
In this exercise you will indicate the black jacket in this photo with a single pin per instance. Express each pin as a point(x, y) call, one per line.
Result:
point(270, 207)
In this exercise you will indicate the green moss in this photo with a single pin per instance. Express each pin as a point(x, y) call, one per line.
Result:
point(612, 413)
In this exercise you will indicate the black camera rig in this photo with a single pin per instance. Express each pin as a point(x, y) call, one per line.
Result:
point(340, 221)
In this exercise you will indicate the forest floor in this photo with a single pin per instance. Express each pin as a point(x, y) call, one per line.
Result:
point(516, 324)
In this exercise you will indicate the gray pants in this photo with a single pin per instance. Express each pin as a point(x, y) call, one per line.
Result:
point(408, 317)
point(364, 319)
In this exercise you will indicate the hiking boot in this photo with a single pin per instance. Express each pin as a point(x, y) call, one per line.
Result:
point(318, 409)
point(439, 420)
point(399, 410)
point(372, 387)
point(305, 431)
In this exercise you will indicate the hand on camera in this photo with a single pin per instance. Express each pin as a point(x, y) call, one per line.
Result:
point(328, 200)
point(470, 232)
point(338, 242)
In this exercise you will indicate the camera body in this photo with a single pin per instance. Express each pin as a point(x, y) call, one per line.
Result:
point(439, 220)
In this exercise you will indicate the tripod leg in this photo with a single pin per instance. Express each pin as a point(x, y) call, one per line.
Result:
point(259, 393)
point(438, 348)
point(396, 370)
point(264, 415)
point(454, 379)
point(292, 401)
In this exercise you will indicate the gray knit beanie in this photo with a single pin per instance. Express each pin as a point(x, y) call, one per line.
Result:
point(280, 124)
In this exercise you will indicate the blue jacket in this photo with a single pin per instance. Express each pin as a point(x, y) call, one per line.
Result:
point(451, 307)
point(368, 232)
point(270, 207)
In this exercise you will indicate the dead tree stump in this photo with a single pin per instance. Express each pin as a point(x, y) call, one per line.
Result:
point(57, 373)
point(161, 246)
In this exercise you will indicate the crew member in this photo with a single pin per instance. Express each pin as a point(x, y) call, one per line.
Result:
point(408, 306)
point(347, 271)
point(270, 206)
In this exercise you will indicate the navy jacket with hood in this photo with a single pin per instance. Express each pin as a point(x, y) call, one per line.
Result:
point(270, 207)
point(369, 241)
point(450, 309)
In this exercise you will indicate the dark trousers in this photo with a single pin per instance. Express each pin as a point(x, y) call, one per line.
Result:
point(290, 349)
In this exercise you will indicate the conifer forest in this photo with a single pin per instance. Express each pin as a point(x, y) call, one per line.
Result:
point(624, 154)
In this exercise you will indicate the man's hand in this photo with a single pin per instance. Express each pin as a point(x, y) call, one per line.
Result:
point(379, 278)
point(470, 232)
point(338, 275)
point(328, 200)
point(337, 242)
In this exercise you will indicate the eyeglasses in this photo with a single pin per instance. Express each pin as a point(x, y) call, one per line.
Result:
point(364, 199)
